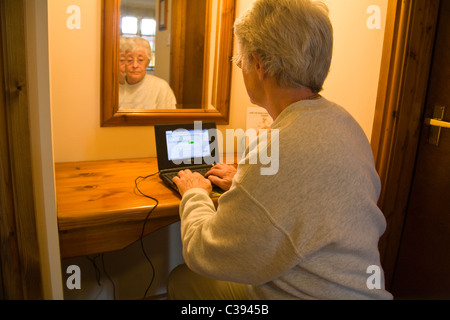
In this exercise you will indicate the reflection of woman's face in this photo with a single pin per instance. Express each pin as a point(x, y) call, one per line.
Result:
point(137, 63)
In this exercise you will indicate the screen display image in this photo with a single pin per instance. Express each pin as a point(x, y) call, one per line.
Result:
point(187, 144)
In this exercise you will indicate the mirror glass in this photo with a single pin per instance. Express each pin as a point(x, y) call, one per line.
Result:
point(166, 61)
point(145, 55)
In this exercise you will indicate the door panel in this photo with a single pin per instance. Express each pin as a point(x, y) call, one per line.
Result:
point(19, 250)
point(423, 266)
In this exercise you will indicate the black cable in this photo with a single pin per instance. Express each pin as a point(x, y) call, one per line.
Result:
point(107, 275)
point(136, 182)
point(96, 268)
point(98, 271)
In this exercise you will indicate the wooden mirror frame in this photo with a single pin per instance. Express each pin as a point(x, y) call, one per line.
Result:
point(220, 96)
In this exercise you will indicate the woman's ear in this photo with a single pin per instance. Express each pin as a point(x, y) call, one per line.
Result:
point(258, 66)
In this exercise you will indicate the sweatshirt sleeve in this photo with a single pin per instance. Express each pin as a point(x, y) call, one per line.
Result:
point(239, 242)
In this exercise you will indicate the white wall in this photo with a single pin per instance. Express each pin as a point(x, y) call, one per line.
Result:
point(41, 147)
point(355, 69)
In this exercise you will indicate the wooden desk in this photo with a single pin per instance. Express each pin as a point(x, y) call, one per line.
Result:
point(100, 210)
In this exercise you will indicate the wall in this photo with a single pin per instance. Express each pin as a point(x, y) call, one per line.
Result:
point(162, 42)
point(42, 147)
point(353, 79)
point(77, 135)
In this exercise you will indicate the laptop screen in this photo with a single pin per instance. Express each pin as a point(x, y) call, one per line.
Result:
point(185, 145)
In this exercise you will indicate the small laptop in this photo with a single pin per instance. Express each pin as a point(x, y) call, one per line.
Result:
point(192, 146)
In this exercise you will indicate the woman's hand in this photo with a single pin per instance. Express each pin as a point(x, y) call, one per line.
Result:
point(222, 175)
point(187, 180)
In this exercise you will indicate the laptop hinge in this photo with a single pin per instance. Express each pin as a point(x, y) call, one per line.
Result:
point(186, 167)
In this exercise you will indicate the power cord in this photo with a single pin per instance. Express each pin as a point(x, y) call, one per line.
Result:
point(108, 276)
point(136, 182)
point(98, 272)
point(93, 259)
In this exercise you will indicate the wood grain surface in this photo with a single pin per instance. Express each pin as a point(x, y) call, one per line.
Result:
point(100, 209)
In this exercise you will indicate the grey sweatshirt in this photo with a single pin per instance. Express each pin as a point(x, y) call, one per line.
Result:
point(311, 230)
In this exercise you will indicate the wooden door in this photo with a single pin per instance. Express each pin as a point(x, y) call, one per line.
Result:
point(20, 268)
point(423, 266)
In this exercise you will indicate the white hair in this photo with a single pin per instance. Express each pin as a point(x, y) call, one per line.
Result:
point(293, 39)
point(124, 44)
point(136, 43)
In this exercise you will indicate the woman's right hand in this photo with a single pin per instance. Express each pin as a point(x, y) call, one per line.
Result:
point(221, 175)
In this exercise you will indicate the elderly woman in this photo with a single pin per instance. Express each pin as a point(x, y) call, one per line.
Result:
point(142, 90)
point(310, 230)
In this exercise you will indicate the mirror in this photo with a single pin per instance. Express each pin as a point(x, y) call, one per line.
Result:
point(215, 75)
